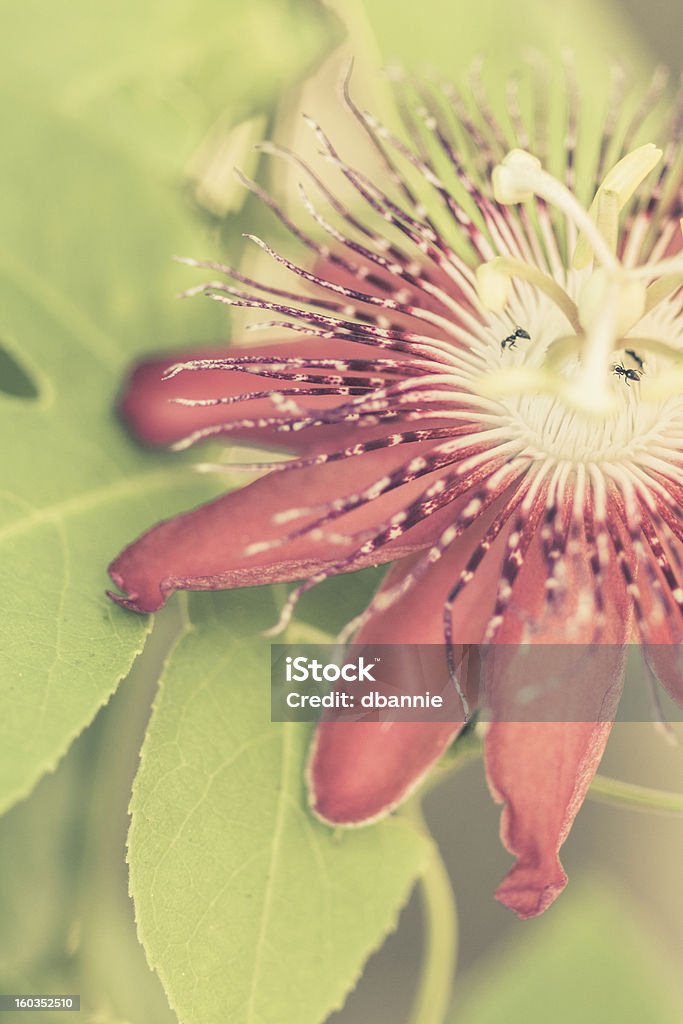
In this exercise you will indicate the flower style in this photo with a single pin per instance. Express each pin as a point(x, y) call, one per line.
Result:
point(484, 389)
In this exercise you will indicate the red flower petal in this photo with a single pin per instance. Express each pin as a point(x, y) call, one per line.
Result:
point(204, 549)
point(359, 771)
point(542, 770)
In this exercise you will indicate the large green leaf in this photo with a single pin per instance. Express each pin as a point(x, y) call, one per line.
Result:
point(249, 909)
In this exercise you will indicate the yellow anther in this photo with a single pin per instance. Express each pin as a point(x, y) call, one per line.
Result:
point(514, 179)
point(602, 306)
point(494, 286)
point(622, 180)
point(608, 217)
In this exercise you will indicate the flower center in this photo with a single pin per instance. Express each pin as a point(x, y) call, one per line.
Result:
point(608, 305)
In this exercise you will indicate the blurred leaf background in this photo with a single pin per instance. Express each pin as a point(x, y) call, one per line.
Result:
point(120, 123)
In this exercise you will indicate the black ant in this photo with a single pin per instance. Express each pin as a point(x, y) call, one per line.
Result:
point(622, 371)
point(511, 340)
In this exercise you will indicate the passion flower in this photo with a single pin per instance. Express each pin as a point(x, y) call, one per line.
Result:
point(488, 396)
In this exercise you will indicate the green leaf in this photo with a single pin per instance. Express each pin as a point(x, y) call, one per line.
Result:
point(248, 908)
point(590, 959)
point(67, 922)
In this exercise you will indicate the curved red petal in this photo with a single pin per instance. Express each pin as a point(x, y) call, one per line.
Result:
point(205, 549)
point(541, 770)
point(359, 771)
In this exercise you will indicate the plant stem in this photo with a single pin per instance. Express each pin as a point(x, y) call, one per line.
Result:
point(433, 995)
point(639, 798)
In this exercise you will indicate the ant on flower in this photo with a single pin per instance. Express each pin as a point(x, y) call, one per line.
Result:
point(511, 340)
point(627, 372)
point(622, 371)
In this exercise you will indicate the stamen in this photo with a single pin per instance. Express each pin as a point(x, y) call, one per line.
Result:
point(494, 286)
point(607, 219)
point(622, 180)
point(674, 265)
point(662, 289)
